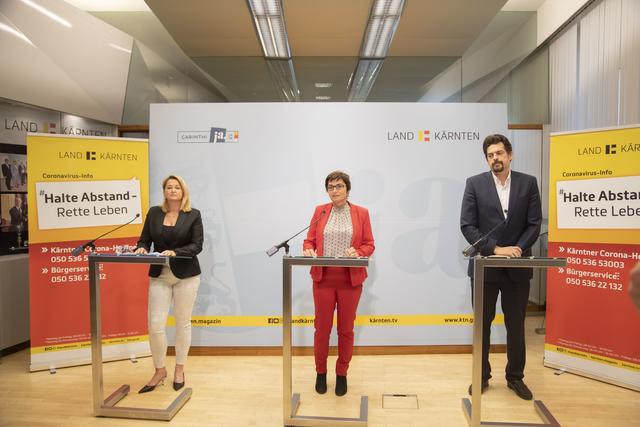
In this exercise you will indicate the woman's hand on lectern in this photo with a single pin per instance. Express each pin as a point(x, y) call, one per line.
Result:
point(351, 252)
point(140, 251)
point(309, 252)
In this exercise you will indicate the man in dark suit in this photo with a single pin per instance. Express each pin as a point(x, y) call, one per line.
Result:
point(510, 201)
point(6, 173)
point(17, 216)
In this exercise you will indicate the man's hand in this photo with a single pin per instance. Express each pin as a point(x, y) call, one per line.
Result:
point(509, 251)
point(140, 251)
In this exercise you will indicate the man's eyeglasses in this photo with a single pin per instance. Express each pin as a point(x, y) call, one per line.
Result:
point(335, 187)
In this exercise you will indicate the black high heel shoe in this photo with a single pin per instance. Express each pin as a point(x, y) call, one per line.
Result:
point(178, 386)
point(148, 388)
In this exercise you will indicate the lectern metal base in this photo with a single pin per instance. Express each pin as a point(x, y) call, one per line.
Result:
point(474, 417)
point(303, 420)
point(290, 400)
point(547, 419)
point(108, 409)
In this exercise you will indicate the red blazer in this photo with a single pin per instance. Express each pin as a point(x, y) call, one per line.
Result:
point(361, 241)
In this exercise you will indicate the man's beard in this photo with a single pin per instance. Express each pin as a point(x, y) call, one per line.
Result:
point(497, 166)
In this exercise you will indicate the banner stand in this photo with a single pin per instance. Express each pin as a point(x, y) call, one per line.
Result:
point(473, 412)
point(291, 402)
point(564, 368)
point(106, 407)
point(80, 187)
point(594, 221)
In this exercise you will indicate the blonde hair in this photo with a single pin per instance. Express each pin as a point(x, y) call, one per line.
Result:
point(185, 206)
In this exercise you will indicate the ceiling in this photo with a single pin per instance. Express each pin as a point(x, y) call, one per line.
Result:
point(324, 36)
point(204, 28)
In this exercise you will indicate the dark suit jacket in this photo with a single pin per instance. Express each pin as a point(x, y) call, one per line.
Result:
point(361, 241)
point(17, 216)
point(189, 235)
point(481, 211)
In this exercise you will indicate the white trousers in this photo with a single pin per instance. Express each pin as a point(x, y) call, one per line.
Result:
point(162, 290)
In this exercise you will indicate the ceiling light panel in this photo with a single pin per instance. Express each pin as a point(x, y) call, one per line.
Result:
point(284, 79)
point(269, 23)
point(363, 78)
point(381, 27)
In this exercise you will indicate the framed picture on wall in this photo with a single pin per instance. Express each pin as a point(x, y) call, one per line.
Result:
point(13, 199)
point(13, 161)
point(13, 212)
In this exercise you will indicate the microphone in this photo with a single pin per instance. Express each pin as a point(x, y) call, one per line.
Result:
point(90, 243)
point(467, 252)
point(274, 249)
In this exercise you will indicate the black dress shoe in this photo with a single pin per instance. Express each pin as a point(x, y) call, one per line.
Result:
point(521, 389)
point(485, 385)
point(321, 383)
point(178, 386)
point(148, 388)
point(341, 385)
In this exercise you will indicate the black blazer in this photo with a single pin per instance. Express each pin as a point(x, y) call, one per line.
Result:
point(17, 216)
point(481, 211)
point(189, 235)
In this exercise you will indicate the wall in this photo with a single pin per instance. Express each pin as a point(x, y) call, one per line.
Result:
point(14, 300)
point(595, 68)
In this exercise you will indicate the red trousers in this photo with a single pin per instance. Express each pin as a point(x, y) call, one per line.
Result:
point(334, 289)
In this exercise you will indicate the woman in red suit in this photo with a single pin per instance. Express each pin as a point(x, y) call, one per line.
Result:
point(339, 228)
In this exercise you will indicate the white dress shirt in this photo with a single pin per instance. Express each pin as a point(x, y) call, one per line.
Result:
point(503, 192)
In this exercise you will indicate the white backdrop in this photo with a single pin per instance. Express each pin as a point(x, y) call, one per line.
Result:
point(260, 190)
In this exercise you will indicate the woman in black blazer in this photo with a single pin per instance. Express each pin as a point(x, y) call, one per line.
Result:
point(174, 228)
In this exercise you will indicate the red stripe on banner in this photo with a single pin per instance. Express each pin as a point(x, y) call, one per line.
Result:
point(588, 306)
point(59, 294)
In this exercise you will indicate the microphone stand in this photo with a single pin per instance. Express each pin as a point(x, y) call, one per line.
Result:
point(467, 252)
point(91, 243)
point(274, 249)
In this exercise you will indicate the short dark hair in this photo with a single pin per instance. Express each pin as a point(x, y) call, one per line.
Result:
point(337, 175)
point(496, 138)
